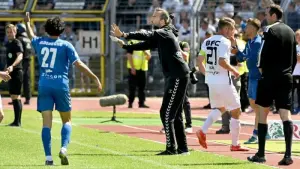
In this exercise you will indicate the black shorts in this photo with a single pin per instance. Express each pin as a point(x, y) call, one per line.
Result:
point(276, 88)
point(15, 83)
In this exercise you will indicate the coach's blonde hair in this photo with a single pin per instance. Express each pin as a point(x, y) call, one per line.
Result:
point(11, 26)
point(164, 15)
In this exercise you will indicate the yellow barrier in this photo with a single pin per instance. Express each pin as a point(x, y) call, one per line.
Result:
point(102, 35)
point(33, 10)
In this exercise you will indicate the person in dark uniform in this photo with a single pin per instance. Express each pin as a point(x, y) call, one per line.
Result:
point(185, 51)
point(14, 56)
point(137, 64)
point(176, 72)
point(22, 36)
point(276, 61)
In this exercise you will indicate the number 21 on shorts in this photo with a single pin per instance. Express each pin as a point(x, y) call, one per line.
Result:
point(48, 52)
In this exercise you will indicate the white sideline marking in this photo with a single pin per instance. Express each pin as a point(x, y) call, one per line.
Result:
point(155, 163)
point(194, 138)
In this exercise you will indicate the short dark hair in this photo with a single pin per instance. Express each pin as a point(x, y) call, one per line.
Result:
point(164, 15)
point(54, 26)
point(224, 22)
point(276, 9)
point(254, 22)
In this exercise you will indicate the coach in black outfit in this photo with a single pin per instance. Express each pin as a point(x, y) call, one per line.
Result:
point(14, 56)
point(176, 71)
point(276, 61)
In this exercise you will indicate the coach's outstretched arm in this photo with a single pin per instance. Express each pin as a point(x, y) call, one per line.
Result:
point(137, 35)
point(139, 46)
point(84, 69)
point(147, 45)
point(29, 31)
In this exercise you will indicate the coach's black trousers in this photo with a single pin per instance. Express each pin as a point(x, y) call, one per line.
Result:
point(26, 79)
point(171, 114)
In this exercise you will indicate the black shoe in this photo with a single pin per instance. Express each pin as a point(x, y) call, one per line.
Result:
point(49, 163)
point(207, 106)
point(63, 158)
point(256, 159)
point(167, 152)
point(143, 106)
point(13, 124)
point(27, 102)
point(129, 105)
point(223, 131)
point(286, 161)
point(10, 103)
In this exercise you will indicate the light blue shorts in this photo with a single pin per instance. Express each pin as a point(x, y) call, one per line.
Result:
point(48, 97)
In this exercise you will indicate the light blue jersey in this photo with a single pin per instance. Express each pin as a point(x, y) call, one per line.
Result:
point(54, 56)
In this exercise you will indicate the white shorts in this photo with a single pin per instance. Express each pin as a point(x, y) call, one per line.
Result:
point(222, 95)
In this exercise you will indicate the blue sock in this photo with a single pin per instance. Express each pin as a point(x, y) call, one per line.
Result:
point(66, 134)
point(255, 132)
point(46, 138)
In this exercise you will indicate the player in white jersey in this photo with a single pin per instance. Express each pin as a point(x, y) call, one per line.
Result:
point(222, 93)
point(3, 76)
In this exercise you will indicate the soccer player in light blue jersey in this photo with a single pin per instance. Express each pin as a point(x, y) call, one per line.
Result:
point(54, 56)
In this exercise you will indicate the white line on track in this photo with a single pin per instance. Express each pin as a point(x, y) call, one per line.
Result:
point(134, 158)
point(195, 138)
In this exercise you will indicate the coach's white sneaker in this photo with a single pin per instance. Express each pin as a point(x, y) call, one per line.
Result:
point(189, 130)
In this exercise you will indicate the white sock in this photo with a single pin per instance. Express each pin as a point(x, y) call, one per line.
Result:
point(235, 127)
point(49, 158)
point(213, 116)
point(63, 150)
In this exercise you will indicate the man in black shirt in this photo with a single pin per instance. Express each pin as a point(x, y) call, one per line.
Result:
point(176, 71)
point(26, 44)
point(14, 56)
point(276, 62)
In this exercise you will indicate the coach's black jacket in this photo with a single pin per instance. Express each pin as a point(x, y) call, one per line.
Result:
point(173, 64)
point(278, 55)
